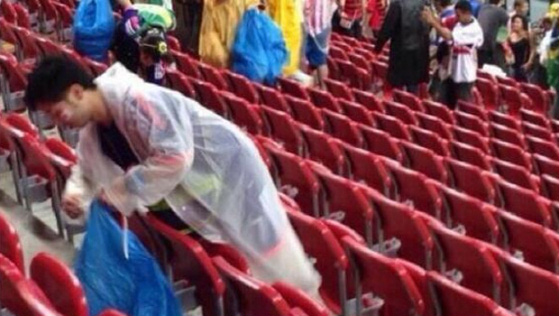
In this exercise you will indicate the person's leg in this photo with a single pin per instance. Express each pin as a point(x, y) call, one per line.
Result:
point(317, 54)
point(464, 91)
point(412, 88)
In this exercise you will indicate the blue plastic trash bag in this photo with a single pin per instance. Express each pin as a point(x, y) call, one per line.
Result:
point(259, 50)
point(94, 26)
point(135, 286)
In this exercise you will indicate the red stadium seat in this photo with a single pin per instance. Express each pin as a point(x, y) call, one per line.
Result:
point(179, 82)
point(429, 140)
point(435, 125)
point(213, 76)
point(324, 149)
point(409, 100)
point(367, 168)
point(299, 300)
point(343, 128)
point(490, 93)
point(368, 100)
point(10, 246)
point(381, 143)
point(401, 112)
point(186, 64)
point(469, 154)
point(273, 98)
point(241, 86)
point(511, 153)
point(540, 100)
point(357, 112)
point(324, 100)
point(472, 123)
point(338, 89)
point(284, 129)
point(244, 114)
point(531, 130)
point(208, 96)
point(470, 180)
point(392, 126)
point(524, 203)
point(516, 175)
point(543, 147)
point(471, 138)
point(508, 135)
point(424, 161)
point(472, 109)
point(439, 110)
point(293, 88)
point(546, 165)
point(305, 112)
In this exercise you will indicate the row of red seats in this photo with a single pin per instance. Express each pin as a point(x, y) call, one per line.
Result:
point(225, 111)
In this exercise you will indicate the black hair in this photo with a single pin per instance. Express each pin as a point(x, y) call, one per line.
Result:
point(523, 19)
point(464, 6)
point(153, 44)
point(494, 1)
point(51, 78)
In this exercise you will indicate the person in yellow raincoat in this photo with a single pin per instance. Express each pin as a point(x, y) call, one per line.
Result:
point(288, 14)
point(219, 26)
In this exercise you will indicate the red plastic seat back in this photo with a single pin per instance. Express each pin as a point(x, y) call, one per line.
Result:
point(10, 247)
point(59, 284)
point(386, 278)
point(19, 295)
point(253, 297)
point(329, 257)
point(191, 263)
point(178, 81)
point(10, 69)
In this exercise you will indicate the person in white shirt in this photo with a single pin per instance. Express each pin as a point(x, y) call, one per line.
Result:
point(465, 38)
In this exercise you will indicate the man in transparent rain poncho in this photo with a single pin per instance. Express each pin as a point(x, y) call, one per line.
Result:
point(144, 147)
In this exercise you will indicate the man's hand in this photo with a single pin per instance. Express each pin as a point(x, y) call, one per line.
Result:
point(71, 205)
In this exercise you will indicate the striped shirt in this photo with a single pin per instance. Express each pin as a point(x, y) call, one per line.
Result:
point(318, 15)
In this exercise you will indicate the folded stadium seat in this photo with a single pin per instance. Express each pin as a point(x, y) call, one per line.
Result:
point(453, 299)
point(516, 175)
point(424, 161)
point(381, 143)
point(380, 71)
point(324, 100)
point(416, 189)
point(487, 76)
point(540, 100)
point(439, 110)
point(293, 88)
point(295, 179)
point(470, 155)
point(387, 279)
point(435, 125)
point(259, 143)
point(328, 256)
point(241, 86)
point(38, 177)
point(337, 52)
point(543, 147)
point(472, 123)
point(401, 112)
point(504, 119)
point(399, 231)
point(409, 100)
point(511, 153)
point(490, 93)
point(352, 42)
point(473, 109)
point(244, 114)
point(64, 22)
point(46, 46)
point(535, 118)
point(272, 98)
point(213, 76)
point(368, 100)
point(368, 55)
point(300, 301)
point(186, 64)
point(392, 126)
point(524, 203)
point(178, 81)
point(344, 201)
point(11, 246)
point(12, 84)
point(466, 261)
point(361, 62)
point(531, 130)
point(191, 266)
point(367, 168)
point(550, 186)
point(471, 138)
point(282, 128)
point(521, 238)
point(305, 112)
point(338, 89)
point(529, 285)
point(470, 179)
point(324, 149)
point(173, 42)
point(333, 69)
point(419, 277)
point(343, 46)
point(8, 35)
point(514, 99)
point(19, 295)
point(429, 140)
point(507, 81)
point(95, 67)
point(249, 296)
point(48, 17)
point(8, 12)
point(544, 165)
point(34, 9)
point(356, 77)
point(341, 231)
point(341, 127)
point(59, 284)
point(209, 97)
point(507, 135)
point(357, 112)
